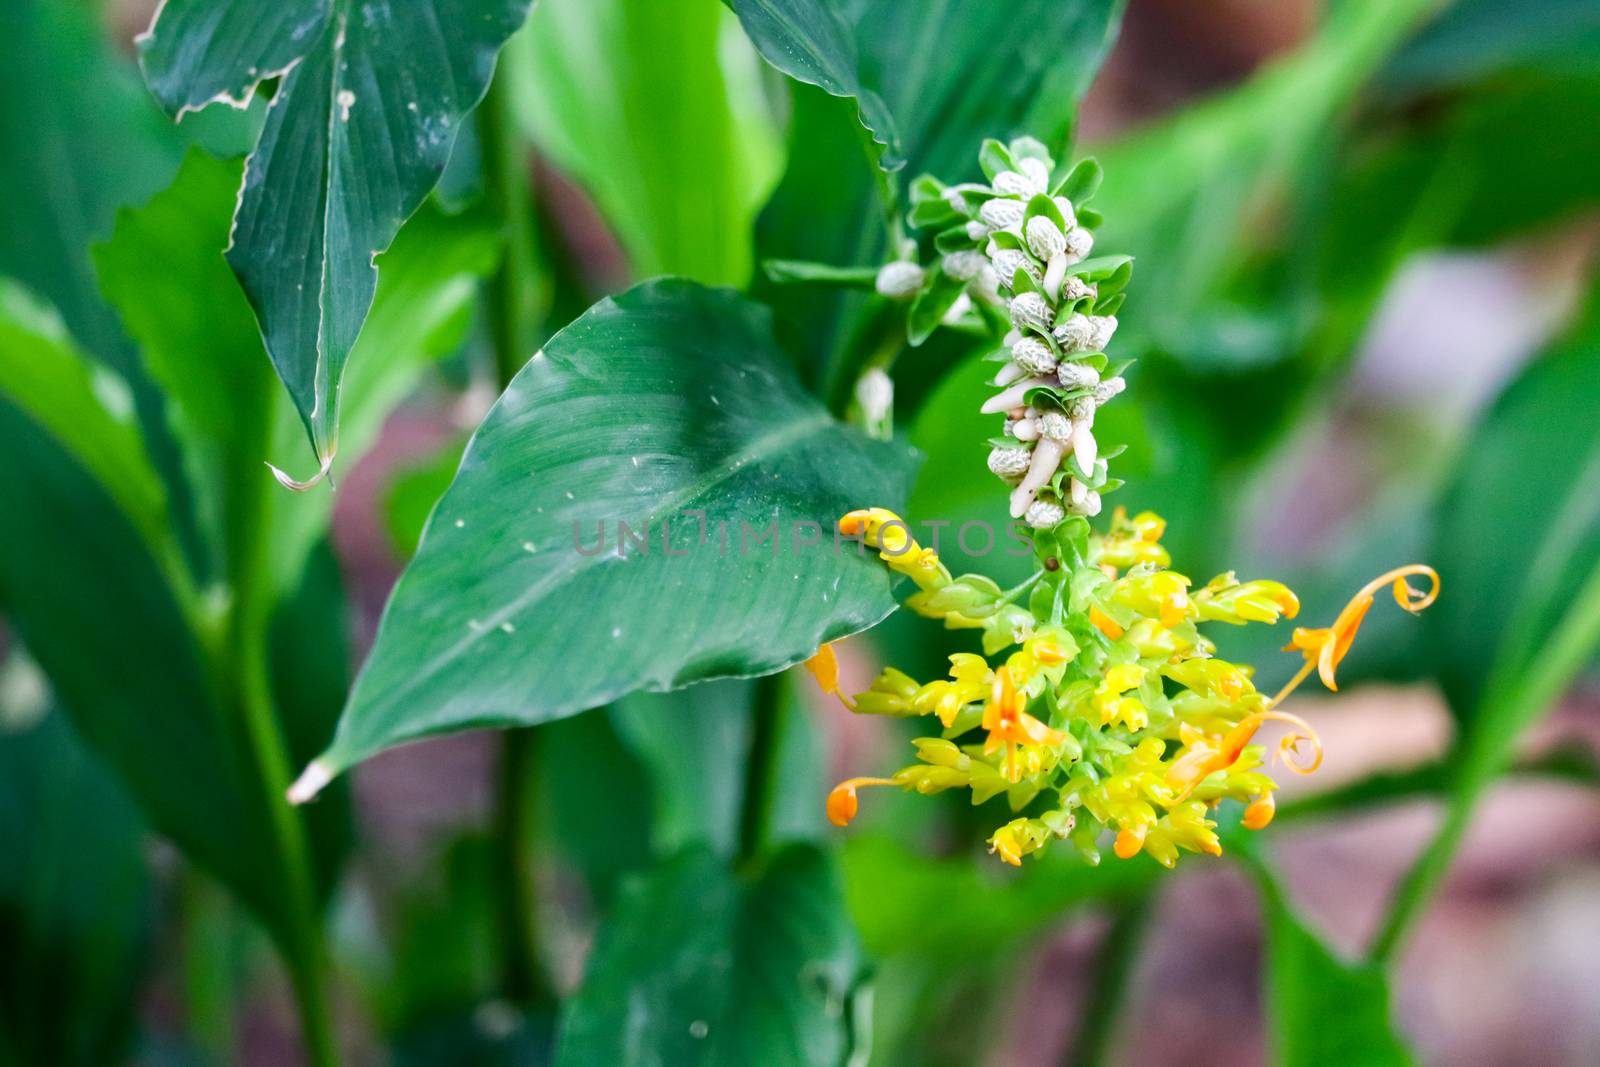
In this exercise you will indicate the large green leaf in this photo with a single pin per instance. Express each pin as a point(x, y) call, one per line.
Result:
point(1321, 1010)
point(655, 406)
point(655, 108)
point(812, 41)
point(360, 128)
point(697, 967)
point(74, 901)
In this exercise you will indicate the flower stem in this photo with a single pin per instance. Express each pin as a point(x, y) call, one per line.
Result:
point(514, 305)
point(760, 773)
point(1097, 1031)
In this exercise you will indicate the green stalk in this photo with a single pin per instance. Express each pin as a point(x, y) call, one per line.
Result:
point(1119, 952)
point(760, 776)
point(305, 948)
point(514, 302)
point(1516, 691)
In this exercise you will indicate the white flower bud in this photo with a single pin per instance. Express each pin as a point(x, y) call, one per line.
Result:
point(1068, 215)
point(1044, 514)
point(987, 284)
point(1079, 243)
point(1091, 504)
point(1108, 389)
point(1103, 327)
point(1081, 410)
point(1007, 261)
point(1075, 288)
point(953, 197)
point(899, 280)
point(1045, 238)
point(1010, 183)
point(1000, 214)
point(976, 231)
point(1077, 492)
point(1029, 311)
point(1054, 275)
point(1084, 447)
point(1014, 395)
point(953, 313)
point(1011, 338)
point(1036, 172)
point(964, 266)
point(1079, 376)
point(1023, 429)
point(1010, 463)
point(1034, 356)
point(1055, 425)
point(1075, 334)
point(1008, 374)
point(875, 394)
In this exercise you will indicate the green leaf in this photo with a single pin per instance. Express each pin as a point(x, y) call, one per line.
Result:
point(359, 130)
point(1473, 39)
point(1082, 182)
point(97, 603)
point(1321, 1010)
point(412, 493)
point(200, 342)
point(666, 401)
point(74, 899)
point(697, 967)
point(812, 41)
point(1519, 529)
point(86, 408)
point(795, 271)
point(657, 110)
point(197, 337)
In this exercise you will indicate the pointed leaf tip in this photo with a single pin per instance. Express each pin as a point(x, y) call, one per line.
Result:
point(312, 781)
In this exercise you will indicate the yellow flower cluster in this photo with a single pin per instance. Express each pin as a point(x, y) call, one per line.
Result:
point(1111, 717)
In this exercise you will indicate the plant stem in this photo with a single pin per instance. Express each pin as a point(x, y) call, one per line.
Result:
point(522, 977)
point(515, 297)
point(1097, 1032)
point(513, 305)
point(755, 816)
point(303, 943)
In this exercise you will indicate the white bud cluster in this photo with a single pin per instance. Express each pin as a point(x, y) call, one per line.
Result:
point(899, 280)
point(1047, 348)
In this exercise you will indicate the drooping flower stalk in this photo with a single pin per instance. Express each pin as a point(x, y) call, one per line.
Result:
point(1111, 717)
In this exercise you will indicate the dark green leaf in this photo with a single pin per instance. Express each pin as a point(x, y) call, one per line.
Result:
point(1322, 1010)
point(794, 271)
point(664, 402)
point(668, 132)
point(201, 344)
point(811, 41)
point(98, 597)
point(1518, 548)
point(1473, 39)
point(359, 131)
point(74, 903)
point(697, 967)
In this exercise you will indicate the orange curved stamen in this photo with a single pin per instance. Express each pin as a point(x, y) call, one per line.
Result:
point(1326, 648)
point(1105, 623)
point(1203, 760)
point(842, 801)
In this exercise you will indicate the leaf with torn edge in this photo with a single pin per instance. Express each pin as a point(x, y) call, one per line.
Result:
point(360, 128)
